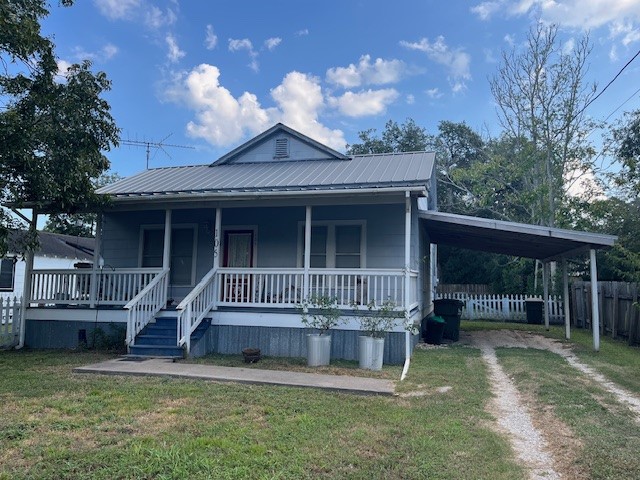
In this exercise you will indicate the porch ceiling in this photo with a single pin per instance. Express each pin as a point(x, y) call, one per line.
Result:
point(510, 238)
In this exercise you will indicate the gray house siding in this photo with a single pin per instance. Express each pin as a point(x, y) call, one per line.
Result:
point(278, 233)
point(265, 152)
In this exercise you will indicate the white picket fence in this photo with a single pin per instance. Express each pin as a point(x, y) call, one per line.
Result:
point(9, 321)
point(503, 307)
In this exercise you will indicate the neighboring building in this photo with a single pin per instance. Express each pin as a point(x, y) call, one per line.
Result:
point(55, 251)
point(237, 245)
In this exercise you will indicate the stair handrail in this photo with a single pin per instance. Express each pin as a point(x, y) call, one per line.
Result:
point(195, 306)
point(142, 308)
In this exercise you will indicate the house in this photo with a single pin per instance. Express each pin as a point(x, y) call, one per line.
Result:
point(55, 251)
point(232, 248)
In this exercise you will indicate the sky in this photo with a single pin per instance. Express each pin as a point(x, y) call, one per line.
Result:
point(210, 75)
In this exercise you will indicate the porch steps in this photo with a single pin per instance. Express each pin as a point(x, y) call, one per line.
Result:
point(158, 339)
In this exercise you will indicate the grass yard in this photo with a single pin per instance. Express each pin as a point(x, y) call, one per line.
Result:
point(616, 360)
point(603, 440)
point(55, 424)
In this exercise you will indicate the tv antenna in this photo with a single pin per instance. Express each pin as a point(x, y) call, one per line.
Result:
point(155, 145)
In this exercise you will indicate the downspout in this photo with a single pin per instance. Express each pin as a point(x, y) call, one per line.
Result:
point(407, 279)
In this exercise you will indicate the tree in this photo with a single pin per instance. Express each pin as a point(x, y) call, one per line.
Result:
point(541, 94)
point(408, 137)
point(626, 145)
point(53, 129)
point(79, 224)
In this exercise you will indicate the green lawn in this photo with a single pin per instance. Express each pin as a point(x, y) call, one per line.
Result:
point(55, 424)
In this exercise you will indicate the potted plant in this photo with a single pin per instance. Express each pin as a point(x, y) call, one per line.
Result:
point(375, 323)
point(321, 313)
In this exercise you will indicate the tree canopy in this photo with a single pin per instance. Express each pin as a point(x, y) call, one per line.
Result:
point(53, 127)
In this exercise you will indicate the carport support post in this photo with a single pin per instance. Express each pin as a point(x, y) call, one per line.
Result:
point(595, 315)
point(545, 293)
point(26, 292)
point(407, 279)
point(565, 297)
point(93, 285)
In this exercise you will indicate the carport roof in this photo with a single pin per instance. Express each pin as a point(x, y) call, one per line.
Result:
point(510, 238)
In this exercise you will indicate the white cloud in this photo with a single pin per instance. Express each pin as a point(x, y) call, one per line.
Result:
point(210, 39)
point(364, 103)
point(489, 56)
point(240, 44)
point(434, 93)
point(584, 14)
point(222, 119)
point(366, 73)
point(303, 32)
point(272, 43)
point(455, 60)
point(174, 53)
point(107, 52)
point(410, 99)
point(626, 31)
point(63, 68)
point(568, 46)
point(117, 9)
point(236, 45)
point(613, 54)
point(511, 41)
point(154, 18)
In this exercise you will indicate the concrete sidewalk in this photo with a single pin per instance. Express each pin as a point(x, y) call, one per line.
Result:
point(167, 368)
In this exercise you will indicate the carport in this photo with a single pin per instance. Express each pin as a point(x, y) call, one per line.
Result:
point(523, 240)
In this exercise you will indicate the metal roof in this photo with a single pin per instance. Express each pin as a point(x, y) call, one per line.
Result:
point(360, 171)
point(55, 245)
point(510, 238)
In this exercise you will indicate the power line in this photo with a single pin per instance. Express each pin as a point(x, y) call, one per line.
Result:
point(609, 84)
point(622, 104)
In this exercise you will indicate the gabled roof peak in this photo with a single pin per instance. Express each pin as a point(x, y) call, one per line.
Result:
point(279, 129)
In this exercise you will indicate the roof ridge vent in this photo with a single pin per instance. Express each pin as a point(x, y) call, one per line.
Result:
point(281, 148)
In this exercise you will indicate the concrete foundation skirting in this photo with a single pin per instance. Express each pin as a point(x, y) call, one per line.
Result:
point(290, 342)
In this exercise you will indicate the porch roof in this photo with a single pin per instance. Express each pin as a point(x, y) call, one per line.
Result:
point(511, 238)
point(377, 171)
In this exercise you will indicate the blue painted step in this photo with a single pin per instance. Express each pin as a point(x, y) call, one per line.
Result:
point(158, 339)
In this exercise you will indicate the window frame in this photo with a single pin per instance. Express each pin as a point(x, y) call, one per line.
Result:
point(331, 241)
point(13, 274)
point(177, 226)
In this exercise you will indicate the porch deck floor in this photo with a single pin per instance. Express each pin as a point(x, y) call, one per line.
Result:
point(168, 368)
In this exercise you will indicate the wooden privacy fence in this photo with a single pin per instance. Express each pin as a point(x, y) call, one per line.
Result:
point(503, 307)
point(617, 305)
point(9, 321)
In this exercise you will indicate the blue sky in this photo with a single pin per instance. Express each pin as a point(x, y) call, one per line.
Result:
point(212, 74)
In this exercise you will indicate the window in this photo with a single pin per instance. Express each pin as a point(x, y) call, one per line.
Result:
point(335, 245)
point(7, 274)
point(182, 252)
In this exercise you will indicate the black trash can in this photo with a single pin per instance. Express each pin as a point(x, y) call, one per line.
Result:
point(450, 310)
point(533, 306)
point(434, 330)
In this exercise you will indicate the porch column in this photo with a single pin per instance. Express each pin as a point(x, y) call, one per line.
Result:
point(93, 289)
point(565, 295)
point(433, 270)
point(595, 311)
point(407, 265)
point(166, 254)
point(26, 293)
point(545, 293)
point(307, 251)
point(216, 239)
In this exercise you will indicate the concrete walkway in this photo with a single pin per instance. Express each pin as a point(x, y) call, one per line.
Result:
point(167, 368)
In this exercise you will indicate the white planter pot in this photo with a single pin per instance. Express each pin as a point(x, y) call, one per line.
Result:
point(371, 352)
point(318, 349)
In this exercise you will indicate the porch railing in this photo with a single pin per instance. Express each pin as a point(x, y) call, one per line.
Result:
point(73, 286)
point(195, 307)
point(145, 305)
point(285, 288)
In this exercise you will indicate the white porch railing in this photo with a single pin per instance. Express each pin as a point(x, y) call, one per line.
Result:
point(284, 288)
point(10, 323)
point(73, 287)
point(195, 307)
point(502, 307)
point(146, 304)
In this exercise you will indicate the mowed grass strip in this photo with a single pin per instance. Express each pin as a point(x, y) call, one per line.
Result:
point(618, 361)
point(606, 436)
point(55, 424)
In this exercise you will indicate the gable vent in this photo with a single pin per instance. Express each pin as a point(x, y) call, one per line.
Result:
point(282, 148)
